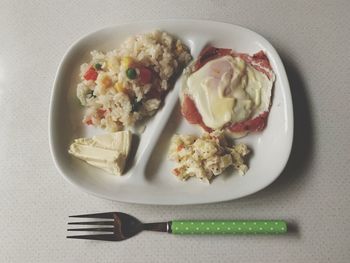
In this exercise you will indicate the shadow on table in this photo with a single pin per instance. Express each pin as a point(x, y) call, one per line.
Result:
point(293, 229)
point(303, 142)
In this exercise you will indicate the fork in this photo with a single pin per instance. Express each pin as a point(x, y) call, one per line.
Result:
point(120, 226)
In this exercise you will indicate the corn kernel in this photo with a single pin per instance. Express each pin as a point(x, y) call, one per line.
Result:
point(109, 64)
point(126, 62)
point(119, 87)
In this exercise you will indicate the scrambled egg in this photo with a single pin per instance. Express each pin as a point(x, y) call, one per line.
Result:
point(207, 156)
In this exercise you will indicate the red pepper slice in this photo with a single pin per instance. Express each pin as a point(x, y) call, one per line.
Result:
point(91, 74)
point(145, 75)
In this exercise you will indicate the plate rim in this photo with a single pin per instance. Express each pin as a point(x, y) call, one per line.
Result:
point(284, 80)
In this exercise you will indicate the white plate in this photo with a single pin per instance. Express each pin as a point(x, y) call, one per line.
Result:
point(151, 182)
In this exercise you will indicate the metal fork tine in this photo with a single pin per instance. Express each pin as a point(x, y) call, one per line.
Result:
point(98, 215)
point(96, 229)
point(106, 237)
point(92, 223)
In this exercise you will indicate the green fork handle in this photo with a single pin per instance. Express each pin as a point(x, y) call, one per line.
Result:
point(231, 227)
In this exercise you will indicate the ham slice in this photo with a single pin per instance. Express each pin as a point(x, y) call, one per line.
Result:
point(191, 114)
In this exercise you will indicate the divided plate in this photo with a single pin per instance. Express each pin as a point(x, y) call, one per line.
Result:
point(148, 179)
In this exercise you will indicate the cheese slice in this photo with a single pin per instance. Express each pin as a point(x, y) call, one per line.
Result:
point(108, 152)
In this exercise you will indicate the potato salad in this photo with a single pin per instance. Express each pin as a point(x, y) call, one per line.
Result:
point(207, 156)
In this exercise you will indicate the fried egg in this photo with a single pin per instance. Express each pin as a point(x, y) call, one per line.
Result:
point(228, 90)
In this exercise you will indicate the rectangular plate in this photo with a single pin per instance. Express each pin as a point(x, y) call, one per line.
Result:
point(149, 179)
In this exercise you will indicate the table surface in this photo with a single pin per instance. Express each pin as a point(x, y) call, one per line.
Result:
point(312, 193)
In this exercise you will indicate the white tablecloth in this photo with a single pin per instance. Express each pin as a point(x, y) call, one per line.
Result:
point(312, 38)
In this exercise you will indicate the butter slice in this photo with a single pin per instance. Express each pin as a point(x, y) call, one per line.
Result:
point(108, 152)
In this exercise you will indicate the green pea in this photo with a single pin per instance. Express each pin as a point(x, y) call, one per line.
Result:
point(131, 73)
point(98, 66)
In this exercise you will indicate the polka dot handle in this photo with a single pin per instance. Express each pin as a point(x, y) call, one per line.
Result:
point(239, 227)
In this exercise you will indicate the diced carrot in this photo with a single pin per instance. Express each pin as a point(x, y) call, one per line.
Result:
point(180, 147)
point(106, 81)
point(101, 113)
